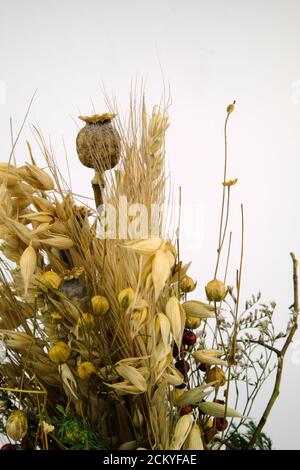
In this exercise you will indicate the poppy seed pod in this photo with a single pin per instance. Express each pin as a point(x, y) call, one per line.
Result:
point(216, 374)
point(98, 142)
point(50, 280)
point(100, 305)
point(59, 352)
point(16, 426)
point(215, 291)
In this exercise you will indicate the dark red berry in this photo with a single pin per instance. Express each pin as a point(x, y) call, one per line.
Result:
point(183, 366)
point(189, 338)
point(202, 367)
point(181, 386)
point(26, 444)
point(221, 424)
point(185, 410)
point(8, 447)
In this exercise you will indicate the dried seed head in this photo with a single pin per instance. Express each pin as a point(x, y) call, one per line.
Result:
point(195, 308)
point(16, 426)
point(215, 291)
point(182, 430)
point(28, 262)
point(50, 280)
point(176, 316)
point(160, 271)
point(194, 440)
point(85, 370)
point(59, 352)
point(217, 409)
point(230, 108)
point(192, 322)
point(36, 177)
point(138, 419)
point(100, 305)
point(187, 284)
point(209, 357)
point(217, 375)
point(59, 242)
point(86, 320)
point(126, 297)
point(230, 182)
point(144, 247)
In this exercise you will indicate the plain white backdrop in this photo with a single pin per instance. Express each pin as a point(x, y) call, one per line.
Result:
point(208, 53)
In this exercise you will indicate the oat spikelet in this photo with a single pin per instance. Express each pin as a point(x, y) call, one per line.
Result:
point(28, 262)
point(160, 271)
point(182, 430)
point(176, 316)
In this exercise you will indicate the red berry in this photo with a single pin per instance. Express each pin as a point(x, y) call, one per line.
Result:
point(183, 366)
point(8, 447)
point(189, 338)
point(221, 424)
point(221, 402)
point(202, 367)
point(185, 410)
point(181, 386)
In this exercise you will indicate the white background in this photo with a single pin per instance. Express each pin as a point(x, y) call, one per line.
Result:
point(209, 53)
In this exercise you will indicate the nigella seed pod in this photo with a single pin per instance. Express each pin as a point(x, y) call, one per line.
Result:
point(16, 426)
point(59, 352)
point(216, 291)
point(98, 142)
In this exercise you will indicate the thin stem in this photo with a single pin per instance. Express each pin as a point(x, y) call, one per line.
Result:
point(276, 389)
point(223, 198)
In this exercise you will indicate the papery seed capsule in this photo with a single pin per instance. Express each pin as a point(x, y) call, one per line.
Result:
point(192, 322)
point(215, 291)
point(187, 284)
point(16, 426)
point(100, 304)
point(126, 297)
point(216, 374)
point(59, 352)
point(50, 280)
point(85, 370)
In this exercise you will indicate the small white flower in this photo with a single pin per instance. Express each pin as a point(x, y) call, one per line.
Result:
point(47, 427)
